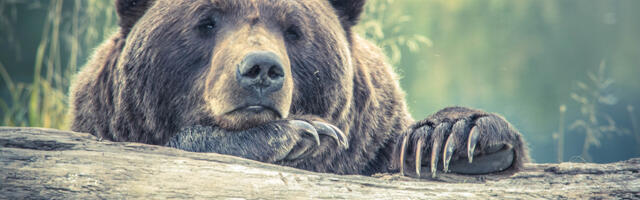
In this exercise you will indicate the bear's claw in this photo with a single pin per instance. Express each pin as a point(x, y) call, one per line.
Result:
point(474, 134)
point(333, 132)
point(315, 129)
point(307, 129)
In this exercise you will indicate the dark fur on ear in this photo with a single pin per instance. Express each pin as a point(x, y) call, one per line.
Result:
point(130, 11)
point(349, 11)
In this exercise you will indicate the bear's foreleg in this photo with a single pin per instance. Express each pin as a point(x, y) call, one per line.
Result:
point(279, 141)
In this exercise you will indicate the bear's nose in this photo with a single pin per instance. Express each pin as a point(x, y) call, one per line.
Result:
point(261, 72)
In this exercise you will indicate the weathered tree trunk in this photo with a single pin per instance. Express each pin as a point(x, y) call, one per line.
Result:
point(51, 164)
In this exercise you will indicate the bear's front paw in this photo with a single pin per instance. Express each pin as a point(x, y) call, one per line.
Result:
point(282, 141)
point(467, 141)
point(312, 134)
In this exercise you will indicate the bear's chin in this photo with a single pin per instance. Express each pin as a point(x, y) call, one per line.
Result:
point(246, 119)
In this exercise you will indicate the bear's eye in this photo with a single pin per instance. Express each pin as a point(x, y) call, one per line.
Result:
point(293, 33)
point(207, 25)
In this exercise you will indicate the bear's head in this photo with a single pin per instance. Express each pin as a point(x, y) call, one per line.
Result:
point(233, 63)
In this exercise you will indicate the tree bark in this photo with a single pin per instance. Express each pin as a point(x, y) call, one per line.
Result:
point(40, 163)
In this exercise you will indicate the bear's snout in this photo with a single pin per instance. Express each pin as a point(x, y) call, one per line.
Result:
point(256, 90)
point(260, 73)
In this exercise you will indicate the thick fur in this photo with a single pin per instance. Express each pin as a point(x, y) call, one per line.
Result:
point(161, 73)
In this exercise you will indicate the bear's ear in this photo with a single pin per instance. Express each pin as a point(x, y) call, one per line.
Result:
point(129, 11)
point(348, 10)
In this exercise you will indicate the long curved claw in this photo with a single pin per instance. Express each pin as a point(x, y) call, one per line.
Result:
point(474, 135)
point(307, 128)
point(419, 146)
point(341, 135)
point(403, 149)
point(435, 151)
point(449, 148)
point(333, 132)
point(452, 142)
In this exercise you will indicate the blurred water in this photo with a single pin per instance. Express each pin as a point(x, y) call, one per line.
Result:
point(522, 59)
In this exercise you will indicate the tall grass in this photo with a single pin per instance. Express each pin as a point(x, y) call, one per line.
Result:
point(594, 121)
point(65, 39)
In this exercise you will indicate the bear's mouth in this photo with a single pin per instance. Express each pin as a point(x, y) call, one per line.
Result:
point(247, 116)
point(256, 109)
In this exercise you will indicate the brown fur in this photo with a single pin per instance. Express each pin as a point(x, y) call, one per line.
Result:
point(161, 73)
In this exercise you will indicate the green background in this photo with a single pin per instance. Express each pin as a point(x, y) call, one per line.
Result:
point(522, 59)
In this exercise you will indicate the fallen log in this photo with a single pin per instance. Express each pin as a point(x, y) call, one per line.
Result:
point(38, 163)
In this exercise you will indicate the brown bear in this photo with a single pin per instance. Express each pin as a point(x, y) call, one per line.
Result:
point(278, 81)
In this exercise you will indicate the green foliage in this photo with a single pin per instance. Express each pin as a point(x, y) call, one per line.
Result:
point(42, 102)
point(386, 27)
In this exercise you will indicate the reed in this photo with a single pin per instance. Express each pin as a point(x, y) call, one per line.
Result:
point(63, 46)
point(560, 135)
point(592, 96)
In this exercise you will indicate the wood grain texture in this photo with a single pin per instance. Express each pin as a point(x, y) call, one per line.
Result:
point(40, 163)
